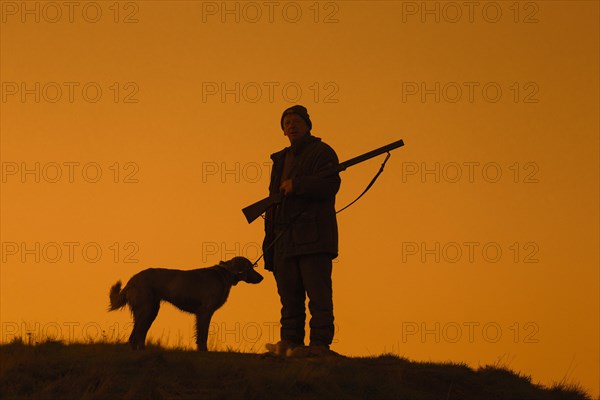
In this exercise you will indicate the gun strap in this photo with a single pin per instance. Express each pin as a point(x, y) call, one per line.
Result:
point(369, 185)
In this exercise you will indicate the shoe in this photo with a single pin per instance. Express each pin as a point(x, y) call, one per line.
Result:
point(298, 352)
point(311, 351)
point(282, 347)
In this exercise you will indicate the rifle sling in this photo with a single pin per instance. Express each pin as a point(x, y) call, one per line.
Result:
point(369, 185)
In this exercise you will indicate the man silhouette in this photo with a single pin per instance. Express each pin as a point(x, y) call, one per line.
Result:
point(306, 227)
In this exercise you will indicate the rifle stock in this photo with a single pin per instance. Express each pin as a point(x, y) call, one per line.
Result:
point(255, 210)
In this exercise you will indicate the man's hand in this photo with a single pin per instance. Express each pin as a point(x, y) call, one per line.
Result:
point(286, 187)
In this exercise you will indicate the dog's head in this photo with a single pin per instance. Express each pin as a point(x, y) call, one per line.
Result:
point(242, 269)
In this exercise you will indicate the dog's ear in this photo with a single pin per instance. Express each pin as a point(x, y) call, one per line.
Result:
point(226, 265)
point(239, 264)
point(234, 265)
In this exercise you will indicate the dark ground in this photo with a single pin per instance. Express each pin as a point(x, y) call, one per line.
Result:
point(113, 371)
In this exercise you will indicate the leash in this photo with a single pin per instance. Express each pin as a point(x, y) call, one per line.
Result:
point(271, 245)
point(337, 212)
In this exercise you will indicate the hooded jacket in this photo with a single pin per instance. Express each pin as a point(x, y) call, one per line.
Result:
point(307, 215)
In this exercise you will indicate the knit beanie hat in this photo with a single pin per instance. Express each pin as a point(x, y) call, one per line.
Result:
point(299, 110)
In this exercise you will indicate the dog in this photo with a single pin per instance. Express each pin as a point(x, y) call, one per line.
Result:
point(200, 292)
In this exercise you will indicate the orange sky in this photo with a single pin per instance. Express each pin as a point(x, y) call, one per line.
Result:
point(132, 134)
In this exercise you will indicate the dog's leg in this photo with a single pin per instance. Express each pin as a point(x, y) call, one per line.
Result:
point(202, 324)
point(143, 318)
point(132, 337)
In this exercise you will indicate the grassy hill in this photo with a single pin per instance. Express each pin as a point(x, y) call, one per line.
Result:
point(113, 371)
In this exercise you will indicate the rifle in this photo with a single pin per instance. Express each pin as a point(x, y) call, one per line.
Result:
point(255, 210)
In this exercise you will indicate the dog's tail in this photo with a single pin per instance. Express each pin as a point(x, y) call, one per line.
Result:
point(117, 297)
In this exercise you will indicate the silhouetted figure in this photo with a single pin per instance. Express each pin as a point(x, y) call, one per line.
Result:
point(301, 258)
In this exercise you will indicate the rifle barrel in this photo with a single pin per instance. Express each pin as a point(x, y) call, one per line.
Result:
point(371, 154)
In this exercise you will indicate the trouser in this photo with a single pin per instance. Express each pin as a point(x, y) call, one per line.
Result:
point(297, 277)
